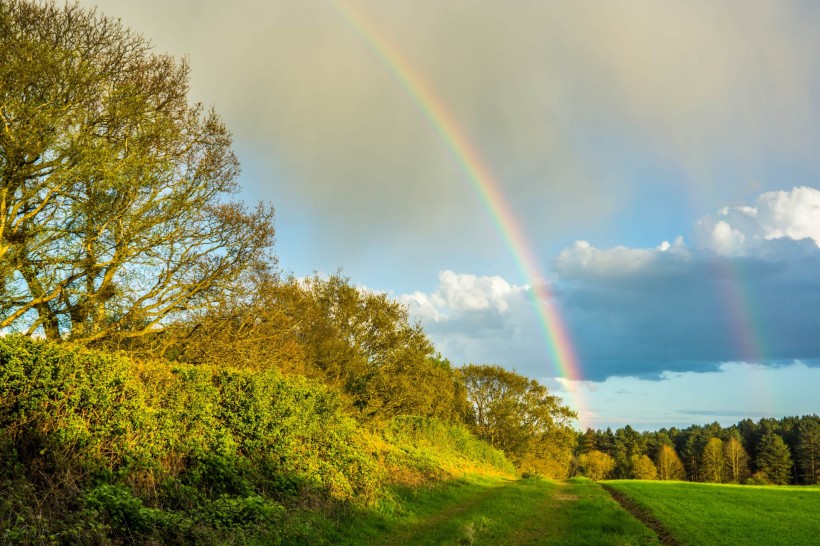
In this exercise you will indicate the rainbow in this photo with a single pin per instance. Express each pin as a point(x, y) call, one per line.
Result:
point(482, 183)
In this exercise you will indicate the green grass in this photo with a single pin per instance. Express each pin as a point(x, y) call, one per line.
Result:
point(699, 513)
point(503, 512)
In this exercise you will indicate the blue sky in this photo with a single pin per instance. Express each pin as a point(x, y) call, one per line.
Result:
point(660, 157)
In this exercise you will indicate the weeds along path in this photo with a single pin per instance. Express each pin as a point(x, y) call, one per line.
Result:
point(530, 511)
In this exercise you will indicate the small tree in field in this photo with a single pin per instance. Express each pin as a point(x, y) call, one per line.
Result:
point(114, 191)
point(736, 460)
point(643, 468)
point(669, 465)
point(596, 465)
point(712, 461)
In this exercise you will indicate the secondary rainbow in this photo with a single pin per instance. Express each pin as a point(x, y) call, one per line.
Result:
point(482, 183)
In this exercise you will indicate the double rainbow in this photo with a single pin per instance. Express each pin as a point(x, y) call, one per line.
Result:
point(482, 183)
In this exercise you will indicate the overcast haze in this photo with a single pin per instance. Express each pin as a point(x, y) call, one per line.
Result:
point(659, 156)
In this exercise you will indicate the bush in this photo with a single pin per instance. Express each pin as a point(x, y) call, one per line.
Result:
point(144, 445)
point(96, 447)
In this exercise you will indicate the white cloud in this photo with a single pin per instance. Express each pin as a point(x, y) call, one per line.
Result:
point(481, 319)
point(458, 293)
point(737, 231)
point(794, 214)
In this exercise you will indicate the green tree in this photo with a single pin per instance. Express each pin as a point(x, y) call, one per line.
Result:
point(628, 447)
point(643, 468)
point(736, 461)
point(596, 465)
point(517, 415)
point(362, 343)
point(669, 465)
point(586, 441)
point(774, 461)
point(808, 450)
point(712, 461)
point(114, 191)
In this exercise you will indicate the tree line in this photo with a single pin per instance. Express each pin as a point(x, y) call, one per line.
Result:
point(769, 451)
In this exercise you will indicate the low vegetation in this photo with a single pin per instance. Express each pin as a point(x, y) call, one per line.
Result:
point(97, 447)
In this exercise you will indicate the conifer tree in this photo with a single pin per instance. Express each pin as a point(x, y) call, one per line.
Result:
point(774, 461)
point(808, 450)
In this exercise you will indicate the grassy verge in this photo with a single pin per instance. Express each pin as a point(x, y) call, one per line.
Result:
point(499, 511)
point(698, 513)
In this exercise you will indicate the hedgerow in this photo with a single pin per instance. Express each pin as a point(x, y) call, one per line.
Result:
point(100, 448)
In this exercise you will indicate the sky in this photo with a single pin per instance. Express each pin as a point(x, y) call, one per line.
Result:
point(619, 199)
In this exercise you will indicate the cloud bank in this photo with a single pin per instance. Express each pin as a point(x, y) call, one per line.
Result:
point(747, 290)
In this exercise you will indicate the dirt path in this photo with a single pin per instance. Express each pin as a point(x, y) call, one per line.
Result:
point(537, 512)
point(643, 515)
point(413, 534)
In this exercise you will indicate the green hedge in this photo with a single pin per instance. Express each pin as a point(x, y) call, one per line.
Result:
point(100, 448)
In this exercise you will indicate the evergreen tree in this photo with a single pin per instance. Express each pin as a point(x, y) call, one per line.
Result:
point(605, 441)
point(628, 446)
point(586, 441)
point(774, 461)
point(808, 450)
point(691, 451)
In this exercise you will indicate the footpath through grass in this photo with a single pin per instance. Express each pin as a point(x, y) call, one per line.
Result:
point(497, 511)
point(707, 514)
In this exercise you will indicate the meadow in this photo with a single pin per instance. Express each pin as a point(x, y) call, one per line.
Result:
point(700, 513)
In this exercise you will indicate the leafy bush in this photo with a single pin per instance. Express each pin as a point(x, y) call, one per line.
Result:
point(95, 447)
point(436, 449)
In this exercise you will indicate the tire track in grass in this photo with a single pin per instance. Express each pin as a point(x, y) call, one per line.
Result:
point(420, 530)
point(643, 515)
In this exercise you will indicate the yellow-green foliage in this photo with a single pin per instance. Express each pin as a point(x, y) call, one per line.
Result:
point(419, 449)
point(95, 446)
point(119, 447)
point(102, 413)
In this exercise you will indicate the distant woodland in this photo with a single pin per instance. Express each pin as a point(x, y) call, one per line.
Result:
point(770, 451)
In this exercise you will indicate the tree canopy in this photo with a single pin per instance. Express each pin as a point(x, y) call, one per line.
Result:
point(519, 416)
point(114, 190)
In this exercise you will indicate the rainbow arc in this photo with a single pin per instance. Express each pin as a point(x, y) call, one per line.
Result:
point(482, 183)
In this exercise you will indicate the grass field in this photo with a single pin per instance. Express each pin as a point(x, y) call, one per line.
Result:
point(503, 512)
point(706, 514)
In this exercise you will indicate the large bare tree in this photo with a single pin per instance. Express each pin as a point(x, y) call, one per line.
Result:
point(115, 211)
